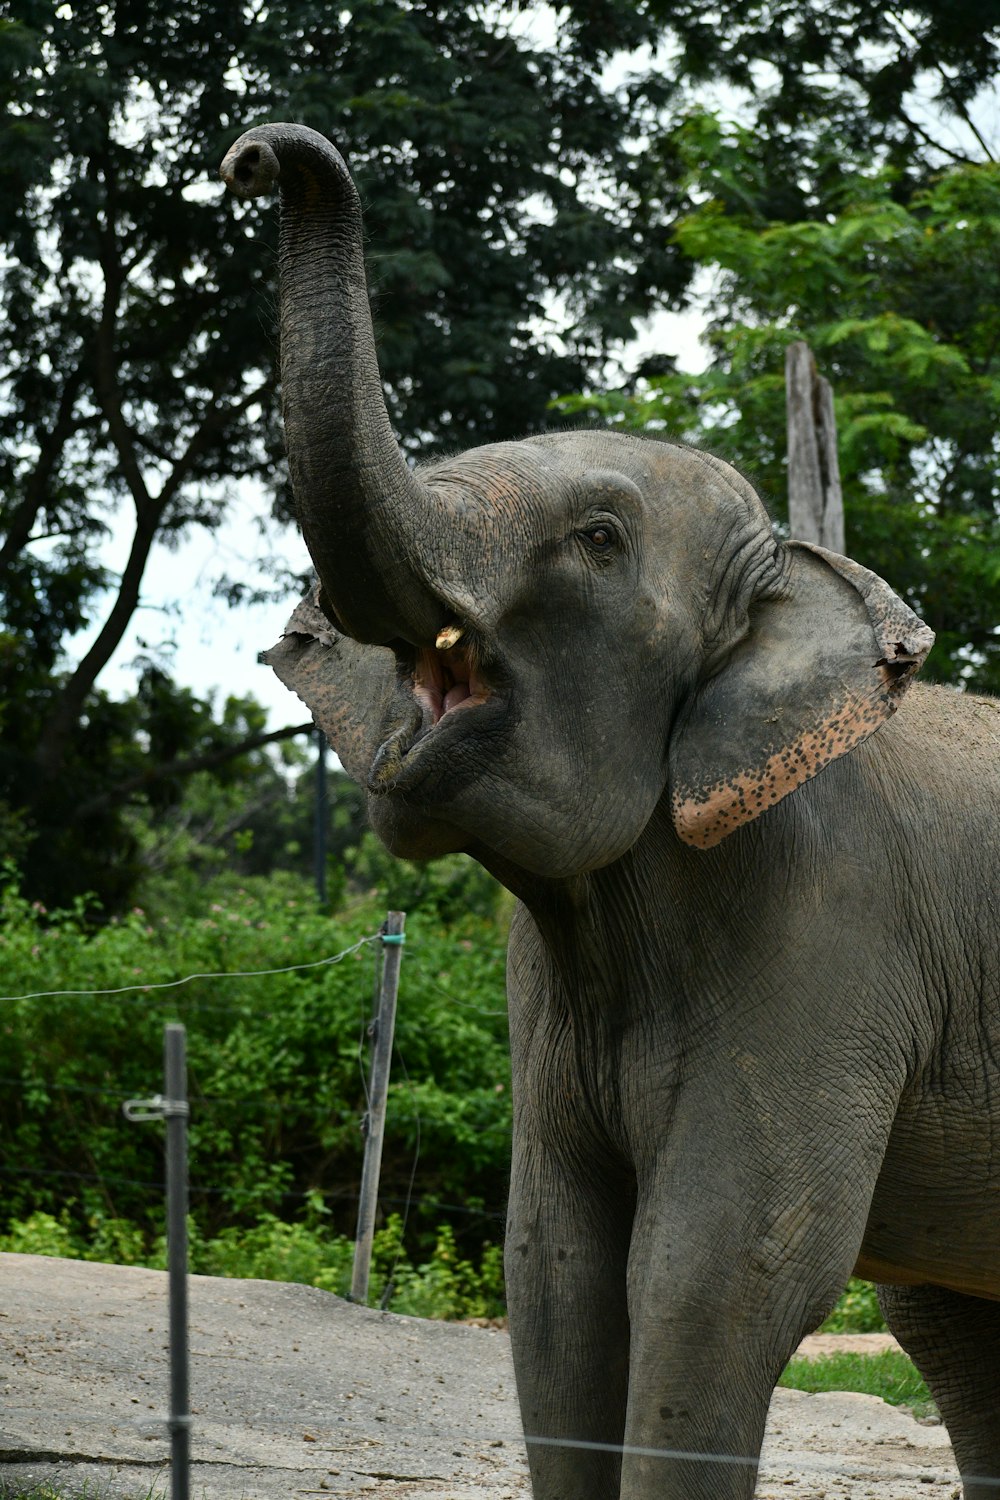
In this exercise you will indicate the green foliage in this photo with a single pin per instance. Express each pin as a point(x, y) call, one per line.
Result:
point(40, 1234)
point(249, 824)
point(275, 1064)
point(139, 389)
point(890, 1375)
point(520, 213)
point(445, 1285)
point(857, 1310)
point(827, 86)
point(898, 299)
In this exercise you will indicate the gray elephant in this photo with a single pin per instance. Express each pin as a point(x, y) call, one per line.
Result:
point(753, 974)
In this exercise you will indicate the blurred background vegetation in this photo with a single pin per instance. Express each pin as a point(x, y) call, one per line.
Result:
point(539, 183)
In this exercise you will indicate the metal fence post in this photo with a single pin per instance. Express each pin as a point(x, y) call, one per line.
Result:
point(176, 1109)
point(172, 1107)
point(381, 1029)
point(320, 819)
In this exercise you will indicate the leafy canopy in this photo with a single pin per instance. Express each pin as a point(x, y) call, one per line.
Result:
point(139, 387)
point(899, 299)
point(520, 208)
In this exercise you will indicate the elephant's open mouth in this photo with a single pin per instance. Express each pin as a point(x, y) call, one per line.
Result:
point(454, 692)
point(447, 681)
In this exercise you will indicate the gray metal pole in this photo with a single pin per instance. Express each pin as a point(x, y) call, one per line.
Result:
point(382, 1029)
point(321, 819)
point(176, 1112)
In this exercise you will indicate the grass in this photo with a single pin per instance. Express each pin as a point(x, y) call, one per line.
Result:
point(46, 1492)
point(890, 1375)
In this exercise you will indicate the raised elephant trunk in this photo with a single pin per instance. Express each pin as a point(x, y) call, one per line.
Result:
point(360, 506)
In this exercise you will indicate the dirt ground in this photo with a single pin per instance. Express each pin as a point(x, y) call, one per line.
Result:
point(295, 1392)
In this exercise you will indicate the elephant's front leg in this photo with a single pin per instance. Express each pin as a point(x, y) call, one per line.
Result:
point(566, 1261)
point(723, 1285)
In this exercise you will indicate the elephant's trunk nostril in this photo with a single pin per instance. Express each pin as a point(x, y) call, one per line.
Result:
point(250, 169)
point(246, 166)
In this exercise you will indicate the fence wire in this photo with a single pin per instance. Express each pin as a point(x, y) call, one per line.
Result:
point(171, 984)
point(773, 1461)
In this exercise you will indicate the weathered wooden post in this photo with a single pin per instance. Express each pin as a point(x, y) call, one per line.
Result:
point(382, 1029)
point(320, 819)
point(815, 500)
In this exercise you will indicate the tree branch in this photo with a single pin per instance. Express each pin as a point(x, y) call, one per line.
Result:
point(955, 103)
point(149, 510)
point(189, 764)
point(50, 451)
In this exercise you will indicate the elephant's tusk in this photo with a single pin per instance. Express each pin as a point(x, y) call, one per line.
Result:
point(449, 636)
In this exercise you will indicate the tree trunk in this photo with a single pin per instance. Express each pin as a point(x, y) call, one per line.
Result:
point(815, 501)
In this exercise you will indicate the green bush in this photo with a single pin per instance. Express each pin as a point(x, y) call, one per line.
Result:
point(857, 1311)
point(42, 1234)
point(446, 1285)
point(276, 1063)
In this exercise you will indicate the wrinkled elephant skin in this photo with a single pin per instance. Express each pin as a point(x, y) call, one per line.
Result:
point(753, 973)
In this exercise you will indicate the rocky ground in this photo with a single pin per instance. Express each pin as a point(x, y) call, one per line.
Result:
point(297, 1393)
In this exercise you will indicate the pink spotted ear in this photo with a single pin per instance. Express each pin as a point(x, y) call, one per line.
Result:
point(822, 667)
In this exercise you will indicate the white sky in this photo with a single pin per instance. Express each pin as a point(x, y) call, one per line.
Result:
point(204, 643)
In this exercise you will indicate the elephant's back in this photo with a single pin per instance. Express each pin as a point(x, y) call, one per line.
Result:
point(945, 745)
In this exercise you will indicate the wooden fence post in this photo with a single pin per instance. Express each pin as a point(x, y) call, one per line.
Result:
point(381, 1030)
point(815, 500)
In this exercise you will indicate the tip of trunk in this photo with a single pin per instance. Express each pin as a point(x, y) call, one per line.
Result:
point(250, 169)
point(361, 509)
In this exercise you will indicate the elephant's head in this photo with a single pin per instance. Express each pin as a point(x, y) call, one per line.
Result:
point(524, 649)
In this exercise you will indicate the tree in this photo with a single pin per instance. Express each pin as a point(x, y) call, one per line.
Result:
point(825, 86)
point(140, 387)
point(900, 303)
point(520, 213)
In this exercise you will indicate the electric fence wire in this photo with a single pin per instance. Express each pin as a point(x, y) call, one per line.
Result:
point(144, 989)
point(169, 984)
point(223, 1102)
point(208, 1190)
point(773, 1466)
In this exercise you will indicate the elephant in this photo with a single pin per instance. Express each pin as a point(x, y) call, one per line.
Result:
point(752, 971)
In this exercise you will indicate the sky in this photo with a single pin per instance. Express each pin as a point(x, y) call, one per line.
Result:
point(204, 643)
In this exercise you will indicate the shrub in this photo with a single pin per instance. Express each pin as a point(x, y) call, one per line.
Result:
point(276, 1065)
point(444, 1286)
point(857, 1311)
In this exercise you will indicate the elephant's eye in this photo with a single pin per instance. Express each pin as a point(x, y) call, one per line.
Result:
point(600, 538)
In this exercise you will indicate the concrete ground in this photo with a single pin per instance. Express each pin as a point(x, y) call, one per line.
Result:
point(295, 1392)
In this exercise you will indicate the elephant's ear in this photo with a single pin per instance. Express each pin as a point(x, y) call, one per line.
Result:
point(344, 685)
point(822, 666)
